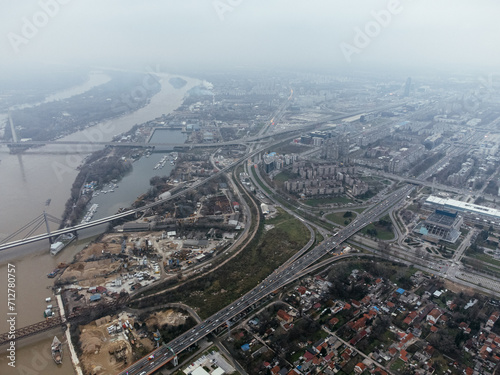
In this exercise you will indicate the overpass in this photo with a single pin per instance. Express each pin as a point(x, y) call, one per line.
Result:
point(76, 228)
point(282, 276)
point(17, 144)
point(279, 278)
point(118, 144)
point(90, 224)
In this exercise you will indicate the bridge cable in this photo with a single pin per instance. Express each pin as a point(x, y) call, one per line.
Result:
point(32, 222)
point(53, 219)
point(35, 228)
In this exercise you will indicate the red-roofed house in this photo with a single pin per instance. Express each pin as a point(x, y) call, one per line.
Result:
point(366, 300)
point(360, 336)
point(434, 316)
point(321, 346)
point(463, 326)
point(493, 318)
point(275, 370)
point(302, 290)
point(347, 306)
point(406, 340)
point(284, 317)
point(403, 355)
point(356, 304)
point(308, 356)
point(358, 324)
point(359, 368)
point(411, 317)
point(333, 321)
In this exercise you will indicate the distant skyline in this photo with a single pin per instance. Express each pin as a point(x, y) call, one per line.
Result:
point(219, 34)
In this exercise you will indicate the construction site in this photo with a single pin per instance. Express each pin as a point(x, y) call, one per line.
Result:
point(111, 343)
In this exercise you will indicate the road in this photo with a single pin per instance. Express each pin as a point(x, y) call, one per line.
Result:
point(249, 156)
point(279, 278)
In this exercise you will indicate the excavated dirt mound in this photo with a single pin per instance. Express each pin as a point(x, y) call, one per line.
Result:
point(170, 317)
point(102, 353)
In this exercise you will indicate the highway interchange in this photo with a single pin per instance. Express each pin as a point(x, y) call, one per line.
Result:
point(285, 274)
point(296, 267)
point(279, 278)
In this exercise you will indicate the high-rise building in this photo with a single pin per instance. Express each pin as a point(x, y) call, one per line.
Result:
point(407, 87)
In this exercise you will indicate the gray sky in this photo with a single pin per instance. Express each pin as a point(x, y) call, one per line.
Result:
point(243, 33)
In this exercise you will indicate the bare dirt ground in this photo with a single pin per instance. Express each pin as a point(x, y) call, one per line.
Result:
point(100, 349)
point(90, 273)
point(109, 243)
point(160, 318)
point(457, 288)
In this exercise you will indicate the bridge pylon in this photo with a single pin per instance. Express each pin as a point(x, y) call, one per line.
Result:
point(51, 239)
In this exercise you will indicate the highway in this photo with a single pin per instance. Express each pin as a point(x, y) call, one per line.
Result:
point(107, 219)
point(279, 278)
point(13, 244)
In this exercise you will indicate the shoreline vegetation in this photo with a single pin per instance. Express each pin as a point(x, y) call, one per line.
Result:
point(110, 165)
point(54, 120)
point(102, 167)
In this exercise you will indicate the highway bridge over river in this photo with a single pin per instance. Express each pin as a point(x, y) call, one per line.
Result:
point(121, 215)
point(76, 228)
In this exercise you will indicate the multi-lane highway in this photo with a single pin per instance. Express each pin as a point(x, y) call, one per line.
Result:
point(282, 276)
point(276, 280)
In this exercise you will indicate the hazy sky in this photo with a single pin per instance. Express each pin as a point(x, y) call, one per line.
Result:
point(246, 33)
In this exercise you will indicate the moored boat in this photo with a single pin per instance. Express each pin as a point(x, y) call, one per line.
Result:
point(57, 352)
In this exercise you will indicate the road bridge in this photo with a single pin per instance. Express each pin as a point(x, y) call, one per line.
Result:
point(76, 228)
point(27, 144)
point(279, 278)
point(117, 216)
point(121, 215)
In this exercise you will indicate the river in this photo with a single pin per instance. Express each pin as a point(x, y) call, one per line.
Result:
point(49, 172)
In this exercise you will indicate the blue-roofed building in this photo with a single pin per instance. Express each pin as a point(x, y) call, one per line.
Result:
point(245, 347)
point(95, 297)
point(441, 225)
point(400, 291)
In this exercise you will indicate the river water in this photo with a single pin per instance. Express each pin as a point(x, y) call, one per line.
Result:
point(28, 180)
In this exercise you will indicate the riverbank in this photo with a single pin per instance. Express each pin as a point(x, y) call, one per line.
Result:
point(21, 201)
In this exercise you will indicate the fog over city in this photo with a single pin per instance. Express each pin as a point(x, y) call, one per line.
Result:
point(292, 34)
point(253, 187)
